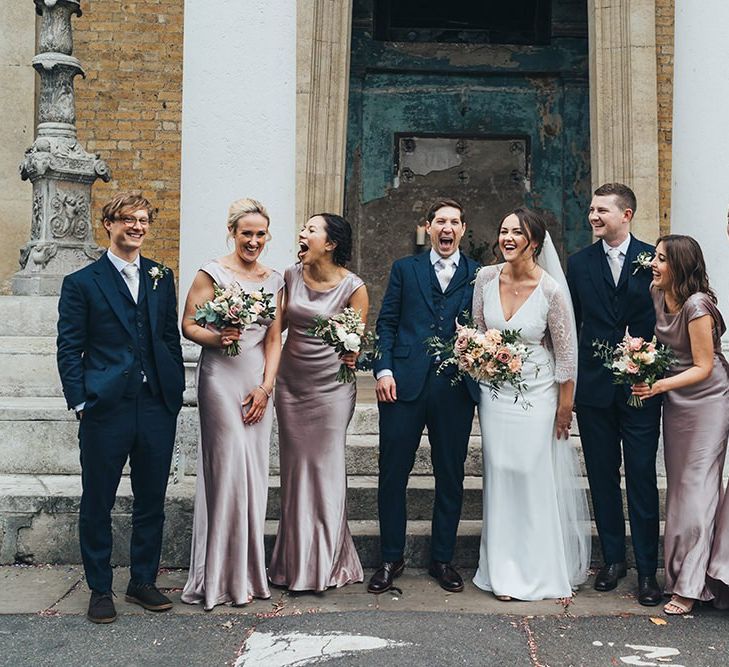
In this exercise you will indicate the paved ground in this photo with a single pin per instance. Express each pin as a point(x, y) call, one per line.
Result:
point(42, 623)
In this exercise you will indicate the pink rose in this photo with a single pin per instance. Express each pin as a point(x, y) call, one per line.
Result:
point(503, 356)
point(631, 367)
point(515, 365)
point(461, 344)
point(635, 344)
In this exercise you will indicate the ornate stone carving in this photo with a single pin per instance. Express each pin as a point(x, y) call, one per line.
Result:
point(37, 221)
point(71, 214)
point(62, 172)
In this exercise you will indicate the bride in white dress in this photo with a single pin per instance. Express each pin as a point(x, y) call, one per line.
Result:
point(535, 541)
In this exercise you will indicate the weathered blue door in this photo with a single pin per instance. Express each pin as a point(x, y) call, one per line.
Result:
point(493, 125)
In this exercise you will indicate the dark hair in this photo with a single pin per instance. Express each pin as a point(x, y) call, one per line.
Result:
point(625, 196)
point(440, 203)
point(688, 269)
point(532, 226)
point(339, 232)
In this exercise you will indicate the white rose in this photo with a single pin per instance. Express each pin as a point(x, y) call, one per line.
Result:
point(341, 333)
point(352, 342)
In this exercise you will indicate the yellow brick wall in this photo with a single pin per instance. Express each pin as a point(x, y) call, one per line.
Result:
point(129, 107)
point(664, 59)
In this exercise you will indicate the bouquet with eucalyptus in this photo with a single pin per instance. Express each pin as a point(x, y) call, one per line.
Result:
point(344, 332)
point(232, 306)
point(635, 360)
point(492, 357)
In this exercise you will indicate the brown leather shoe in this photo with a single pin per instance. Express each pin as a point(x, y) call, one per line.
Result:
point(147, 596)
point(608, 576)
point(447, 576)
point(381, 580)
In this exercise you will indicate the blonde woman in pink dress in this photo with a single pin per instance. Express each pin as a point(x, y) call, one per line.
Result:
point(227, 562)
point(314, 548)
point(695, 426)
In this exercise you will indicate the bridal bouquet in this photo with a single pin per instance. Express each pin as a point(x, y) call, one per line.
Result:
point(492, 357)
point(635, 360)
point(232, 306)
point(345, 333)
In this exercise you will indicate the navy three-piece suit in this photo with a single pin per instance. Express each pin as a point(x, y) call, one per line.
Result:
point(415, 308)
point(604, 311)
point(123, 361)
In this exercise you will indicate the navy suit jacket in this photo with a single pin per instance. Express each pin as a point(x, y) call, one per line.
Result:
point(604, 311)
point(96, 344)
point(407, 318)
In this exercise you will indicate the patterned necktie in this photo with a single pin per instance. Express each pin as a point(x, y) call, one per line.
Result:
point(131, 273)
point(613, 257)
point(444, 270)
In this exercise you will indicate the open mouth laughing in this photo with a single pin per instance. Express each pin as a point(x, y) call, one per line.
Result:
point(303, 249)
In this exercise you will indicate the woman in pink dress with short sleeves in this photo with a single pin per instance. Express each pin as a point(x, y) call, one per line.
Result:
point(695, 425)
point(314, 548)
point(227, 562)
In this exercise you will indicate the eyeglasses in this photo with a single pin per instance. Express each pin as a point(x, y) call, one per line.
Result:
point(130, 220)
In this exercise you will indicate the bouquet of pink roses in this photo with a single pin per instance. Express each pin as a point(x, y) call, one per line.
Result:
point(344, 332)
point(232, 306)
point(492, 357)
point(634, 361)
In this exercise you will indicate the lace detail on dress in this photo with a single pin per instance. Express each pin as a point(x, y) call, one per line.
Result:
point(561, 330)
point(484, 276)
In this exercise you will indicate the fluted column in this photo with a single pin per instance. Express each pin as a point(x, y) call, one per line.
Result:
point(623, 103)
point(322, 87)
point(61, 171)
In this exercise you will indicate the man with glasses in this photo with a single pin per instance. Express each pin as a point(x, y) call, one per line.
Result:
point(120, 363)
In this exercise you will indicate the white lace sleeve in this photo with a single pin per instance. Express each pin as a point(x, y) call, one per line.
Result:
point(562, 333)
point(485, 275)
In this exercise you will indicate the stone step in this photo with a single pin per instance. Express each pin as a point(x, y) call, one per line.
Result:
point(40, 436)
point(24, 314)
point(28, 368)
point(39, 524)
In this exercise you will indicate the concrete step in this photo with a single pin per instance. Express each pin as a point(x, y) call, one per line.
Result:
point(39, 524)
point(23, 314)
point(28, 368)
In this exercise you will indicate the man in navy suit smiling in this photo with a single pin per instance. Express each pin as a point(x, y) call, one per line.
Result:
point(611, 294)
point(425, 295)
point(120, 363)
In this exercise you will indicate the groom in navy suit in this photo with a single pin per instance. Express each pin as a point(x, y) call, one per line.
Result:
point(425, 295)
point(610, 293)
point(120, 363)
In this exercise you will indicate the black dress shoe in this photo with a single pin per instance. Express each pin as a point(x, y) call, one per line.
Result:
point(608, 575)
point(649, 594)
point(147, 596)
point(381, 580)
point(447, 576)
point(101, 608)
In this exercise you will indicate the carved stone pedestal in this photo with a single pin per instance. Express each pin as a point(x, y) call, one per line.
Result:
point(62, 172)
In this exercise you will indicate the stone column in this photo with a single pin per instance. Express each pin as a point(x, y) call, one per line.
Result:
point(623, 103)
point(61, 171)
point(700, 177)
point(323, 46)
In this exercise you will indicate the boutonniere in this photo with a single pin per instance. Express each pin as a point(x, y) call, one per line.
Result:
point(475, 275)
point(156, 273)
point(642, 261)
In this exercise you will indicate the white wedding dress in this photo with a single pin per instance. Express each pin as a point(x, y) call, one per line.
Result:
point(535, 541)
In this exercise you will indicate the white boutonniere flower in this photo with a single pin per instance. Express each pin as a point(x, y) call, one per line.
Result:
point(642, 261)
point(156, 273)
point(475, 275)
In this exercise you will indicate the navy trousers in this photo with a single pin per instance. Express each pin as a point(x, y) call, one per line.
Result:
point(142, 430)
point(601, 432)
point(448, 413)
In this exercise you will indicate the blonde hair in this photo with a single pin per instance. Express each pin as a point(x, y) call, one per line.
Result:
point(242, 207)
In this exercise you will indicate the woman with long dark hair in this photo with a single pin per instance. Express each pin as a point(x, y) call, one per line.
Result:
point(314, 548)
point(695, 422)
